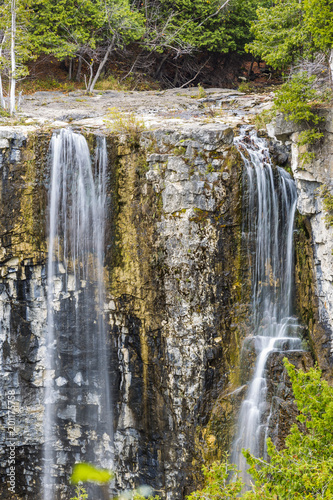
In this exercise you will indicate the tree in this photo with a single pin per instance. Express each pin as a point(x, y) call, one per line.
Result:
point(293, 29)
point(213, 25)
point(88, 29)
point(177, 31)
point(123, 25)
point(15, 48)
point(217, 483)
point(279, 34)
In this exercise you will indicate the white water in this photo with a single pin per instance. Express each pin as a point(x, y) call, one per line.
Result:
point(270, 210)
point(77, 388)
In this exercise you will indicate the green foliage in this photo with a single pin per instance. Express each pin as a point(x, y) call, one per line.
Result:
point(62, 27)
point(245, 87)
point(217, 483)
point(4, 113)
point(296, 97)
point(80, 493)
point(327, 197)
point(304, 468)
point(278, 35)
point(201, 92)
point(204, 25)
point(318, 21)
point(24, 47)
point(83, 472)
point(144, 493)
point(291, 29)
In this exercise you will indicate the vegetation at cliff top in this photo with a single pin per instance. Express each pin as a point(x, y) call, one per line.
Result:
point(87, 33)
point(303, 470)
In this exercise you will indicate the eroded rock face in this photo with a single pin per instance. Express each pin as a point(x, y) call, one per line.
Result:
point(175, 281)
point(314, 256)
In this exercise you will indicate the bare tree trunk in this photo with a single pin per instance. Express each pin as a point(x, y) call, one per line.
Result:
point(2, 99)
point(102, 64)
point(159, 69)
point(70, 68)
point(79, 67)
point(331, 67)
point(91, 69)
point(13, 61)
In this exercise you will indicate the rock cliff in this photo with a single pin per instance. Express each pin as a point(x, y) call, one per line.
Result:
point(177, 288)
point(173, 276)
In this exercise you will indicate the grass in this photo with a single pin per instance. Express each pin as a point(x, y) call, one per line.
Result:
point(128, 123)
point(132, 82)
point(263, 118)
point(246, 87)
point(201, 93)
point(32, 85)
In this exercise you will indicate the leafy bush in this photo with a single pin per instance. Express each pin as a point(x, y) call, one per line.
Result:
point(245, 87)
point(296, 98)
point(263, 118)
point(304, 468)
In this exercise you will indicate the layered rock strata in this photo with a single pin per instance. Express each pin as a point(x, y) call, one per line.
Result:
point(174, 279)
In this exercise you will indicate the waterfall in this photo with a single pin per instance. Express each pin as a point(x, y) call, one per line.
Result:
point(78, 417)
point(270, 204)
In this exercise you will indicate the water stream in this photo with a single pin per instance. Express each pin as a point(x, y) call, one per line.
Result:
point(78, 417)
point(269, 212)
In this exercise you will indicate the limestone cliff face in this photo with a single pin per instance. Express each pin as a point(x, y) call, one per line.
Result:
point(315, 239)
point(177, 302)
point(177, 292)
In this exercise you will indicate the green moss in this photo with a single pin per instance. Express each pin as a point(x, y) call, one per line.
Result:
point(306, 302)
point(178, 213)
point(179, 151)
point(327, 197)
point(200, 215)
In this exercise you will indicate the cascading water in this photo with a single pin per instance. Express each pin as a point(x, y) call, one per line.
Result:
point(78, 417)
point(270, 198)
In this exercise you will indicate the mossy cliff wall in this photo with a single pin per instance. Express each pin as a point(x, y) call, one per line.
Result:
point(177, 295)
